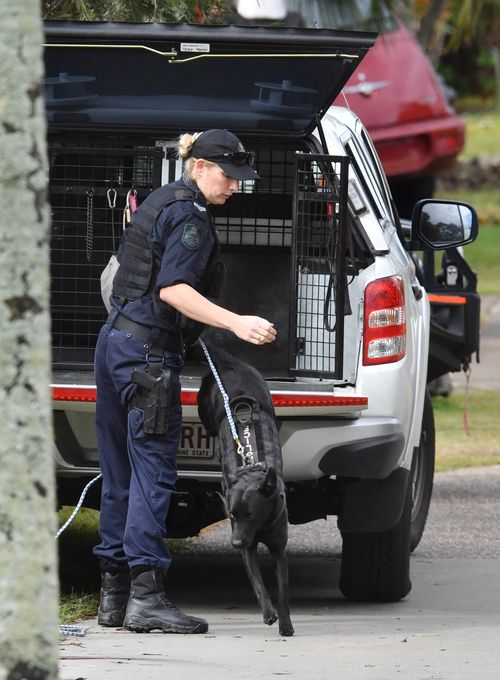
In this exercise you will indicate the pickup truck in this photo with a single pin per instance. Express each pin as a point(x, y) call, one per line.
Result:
point(316, 245)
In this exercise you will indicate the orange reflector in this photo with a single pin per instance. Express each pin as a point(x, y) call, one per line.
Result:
point(447, 299)
point(317, 400)
point(190, 398)
point(73, 393)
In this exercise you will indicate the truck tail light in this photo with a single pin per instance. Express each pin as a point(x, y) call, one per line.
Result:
point(384, 329)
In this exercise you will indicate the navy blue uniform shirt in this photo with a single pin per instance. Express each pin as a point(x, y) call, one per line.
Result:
point(184, 240)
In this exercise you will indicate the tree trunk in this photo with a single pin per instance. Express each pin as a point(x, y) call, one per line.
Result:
point(28, 581)
point(430, 32)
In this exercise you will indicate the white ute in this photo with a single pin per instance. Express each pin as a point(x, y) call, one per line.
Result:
point(315, 246)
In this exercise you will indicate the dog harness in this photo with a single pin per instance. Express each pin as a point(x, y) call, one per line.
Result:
point(248, 430)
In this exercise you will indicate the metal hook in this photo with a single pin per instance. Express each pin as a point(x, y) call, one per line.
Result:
point(111, 194)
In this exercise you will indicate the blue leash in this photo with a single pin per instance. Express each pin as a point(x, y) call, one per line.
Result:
point(239, 446)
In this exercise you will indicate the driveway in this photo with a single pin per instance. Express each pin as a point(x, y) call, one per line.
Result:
point(448, 628)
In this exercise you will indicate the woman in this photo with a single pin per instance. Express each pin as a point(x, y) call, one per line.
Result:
point(168, 265)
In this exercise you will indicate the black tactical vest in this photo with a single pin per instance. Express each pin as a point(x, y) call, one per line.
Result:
point(135, 255)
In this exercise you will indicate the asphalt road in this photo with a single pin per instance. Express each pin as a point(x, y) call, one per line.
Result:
point(448, 628)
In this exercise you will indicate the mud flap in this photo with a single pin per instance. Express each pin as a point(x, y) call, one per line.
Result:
point(372, 504)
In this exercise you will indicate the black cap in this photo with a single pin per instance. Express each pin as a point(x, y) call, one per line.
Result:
point(225, 149)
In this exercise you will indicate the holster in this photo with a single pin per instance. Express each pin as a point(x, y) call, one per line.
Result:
point(153, 397)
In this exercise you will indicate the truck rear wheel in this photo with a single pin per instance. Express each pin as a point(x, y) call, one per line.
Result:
point(376, 565)
point(422, 474)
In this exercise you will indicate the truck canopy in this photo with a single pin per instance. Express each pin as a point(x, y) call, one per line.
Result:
point(159, 77)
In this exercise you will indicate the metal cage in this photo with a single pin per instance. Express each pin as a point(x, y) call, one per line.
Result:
point(88, 189)
point(319, 265)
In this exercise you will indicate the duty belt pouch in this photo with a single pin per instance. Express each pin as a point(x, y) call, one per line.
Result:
point(153, 398)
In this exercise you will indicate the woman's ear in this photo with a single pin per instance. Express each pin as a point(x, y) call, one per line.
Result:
point(199, 166)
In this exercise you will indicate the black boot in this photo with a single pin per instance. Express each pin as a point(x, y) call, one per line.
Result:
point(149, 609)
point(115, 593)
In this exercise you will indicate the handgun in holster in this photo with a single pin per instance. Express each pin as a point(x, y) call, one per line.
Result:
point(153, 398)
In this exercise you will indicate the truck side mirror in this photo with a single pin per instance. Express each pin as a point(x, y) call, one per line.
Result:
point(440, 224)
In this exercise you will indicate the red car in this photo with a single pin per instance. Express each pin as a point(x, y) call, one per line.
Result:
point(398, 96)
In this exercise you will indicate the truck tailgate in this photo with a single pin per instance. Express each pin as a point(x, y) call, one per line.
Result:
point(76, 391)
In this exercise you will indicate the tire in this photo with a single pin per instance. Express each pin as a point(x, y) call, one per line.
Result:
point(422, 474)
point(376, 566)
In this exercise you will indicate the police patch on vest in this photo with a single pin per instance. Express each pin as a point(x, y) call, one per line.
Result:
point(191, 236)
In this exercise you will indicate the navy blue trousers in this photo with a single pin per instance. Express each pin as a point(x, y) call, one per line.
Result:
point(138, 470)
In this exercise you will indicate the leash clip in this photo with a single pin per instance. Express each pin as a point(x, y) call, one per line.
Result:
point(239, 447)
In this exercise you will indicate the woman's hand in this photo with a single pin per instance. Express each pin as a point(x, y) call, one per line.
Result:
point(254, 329)
point(192, 304)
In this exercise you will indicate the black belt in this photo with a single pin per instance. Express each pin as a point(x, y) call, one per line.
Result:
point(165, 340)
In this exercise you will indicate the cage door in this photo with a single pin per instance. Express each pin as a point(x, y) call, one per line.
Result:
point(318, 265)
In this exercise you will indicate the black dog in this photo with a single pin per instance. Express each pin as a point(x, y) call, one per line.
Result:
point(252, 474)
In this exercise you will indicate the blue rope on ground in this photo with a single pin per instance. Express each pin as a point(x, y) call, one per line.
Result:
point(73, 631)
point(77, 507)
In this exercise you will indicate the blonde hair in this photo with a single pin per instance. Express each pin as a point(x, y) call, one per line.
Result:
point(185, 143)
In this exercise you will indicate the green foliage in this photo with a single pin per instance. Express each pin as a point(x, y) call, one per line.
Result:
point(168, 11)
point(339, 14)
point(470, 71)
point(473, 20)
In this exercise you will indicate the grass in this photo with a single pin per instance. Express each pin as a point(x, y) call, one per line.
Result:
point(77, 607)
point(481, 130)
point(79, 575)
point(454, 448)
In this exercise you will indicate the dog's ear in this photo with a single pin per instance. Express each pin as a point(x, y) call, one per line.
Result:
point(269, 484)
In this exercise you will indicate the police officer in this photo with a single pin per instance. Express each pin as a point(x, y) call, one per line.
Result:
point(168, 264)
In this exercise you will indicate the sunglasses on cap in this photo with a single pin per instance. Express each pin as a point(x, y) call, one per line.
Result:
point(238, 158)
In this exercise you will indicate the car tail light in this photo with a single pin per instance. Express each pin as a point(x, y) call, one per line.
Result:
point(384, 338)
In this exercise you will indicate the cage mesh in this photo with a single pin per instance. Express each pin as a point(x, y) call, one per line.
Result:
point(319, 265)
point(261, 213)
point(88, 190)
